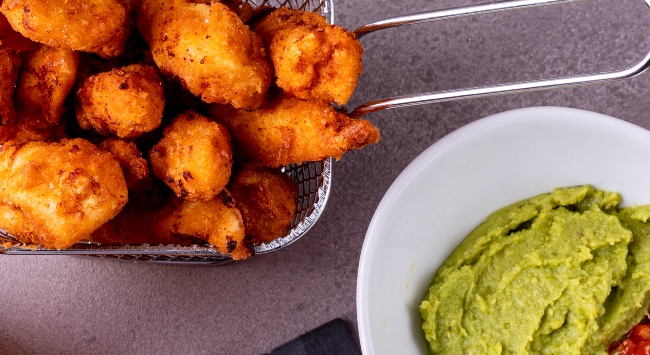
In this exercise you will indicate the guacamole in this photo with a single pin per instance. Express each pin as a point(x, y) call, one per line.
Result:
point(561, 273)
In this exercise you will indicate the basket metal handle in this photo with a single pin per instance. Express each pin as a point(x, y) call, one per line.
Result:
point(453, 95)
point(456, 12)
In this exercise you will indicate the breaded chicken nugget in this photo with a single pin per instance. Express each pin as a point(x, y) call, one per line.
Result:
point(98, 26)
point(217, 221)
point(9, 65)
point(194, 157)
point(134, 166)
point(289, 130)
point(267, 202)
point(210, 50)
point(58, 193)
point(47, 76)
point(127, 101)
point(312, 59)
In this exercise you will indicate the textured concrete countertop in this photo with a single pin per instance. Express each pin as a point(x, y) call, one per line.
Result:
point(77, 305)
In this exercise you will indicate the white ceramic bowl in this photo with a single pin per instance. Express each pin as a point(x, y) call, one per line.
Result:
point(453, 185)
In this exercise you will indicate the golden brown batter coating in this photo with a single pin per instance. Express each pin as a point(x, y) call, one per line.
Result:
point(210, 50)
point(126, 102)
point(217, 221)
point(57, 194)
point(267, 201)
point(134, 166)
point(47, 76)
point(289, 130)
point(194, 157)
point(98, 26)
point(312, 59)
point(9, 65)
point(33, 128)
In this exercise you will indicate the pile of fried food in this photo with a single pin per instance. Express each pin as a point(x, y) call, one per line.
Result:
point(166, 121)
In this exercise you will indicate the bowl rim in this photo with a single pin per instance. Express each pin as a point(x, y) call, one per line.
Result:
point(460, 135)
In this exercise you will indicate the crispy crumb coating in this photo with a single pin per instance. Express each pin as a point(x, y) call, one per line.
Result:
point(58, 193)
point(134, 166)
point(217, 221)
point(98, 26)
point(194, 157)
point(267, 201)
point(210, 50)
point(312, 59)
point(13, 219)
point(34, 128)
point(126, 102)
point(47, 76)
point(9, 65)
point(289, 130)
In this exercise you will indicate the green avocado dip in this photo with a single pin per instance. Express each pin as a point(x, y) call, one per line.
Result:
point(560, 273)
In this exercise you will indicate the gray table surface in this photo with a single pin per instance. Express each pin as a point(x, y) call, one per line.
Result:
point(75, 305)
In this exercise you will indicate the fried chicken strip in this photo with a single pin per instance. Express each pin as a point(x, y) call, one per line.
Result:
point(289, 130)
point(57, 194)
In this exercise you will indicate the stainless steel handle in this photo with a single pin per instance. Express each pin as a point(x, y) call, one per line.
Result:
point(452, 95)
point(444, 96)
point(438, 15)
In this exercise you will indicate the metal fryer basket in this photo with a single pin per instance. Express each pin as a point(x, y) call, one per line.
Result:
point(313, 179)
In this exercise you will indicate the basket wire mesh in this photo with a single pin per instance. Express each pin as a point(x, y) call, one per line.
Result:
point(313, 180)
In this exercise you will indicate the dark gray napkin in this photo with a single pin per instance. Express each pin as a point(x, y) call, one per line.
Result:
point(331, 338)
